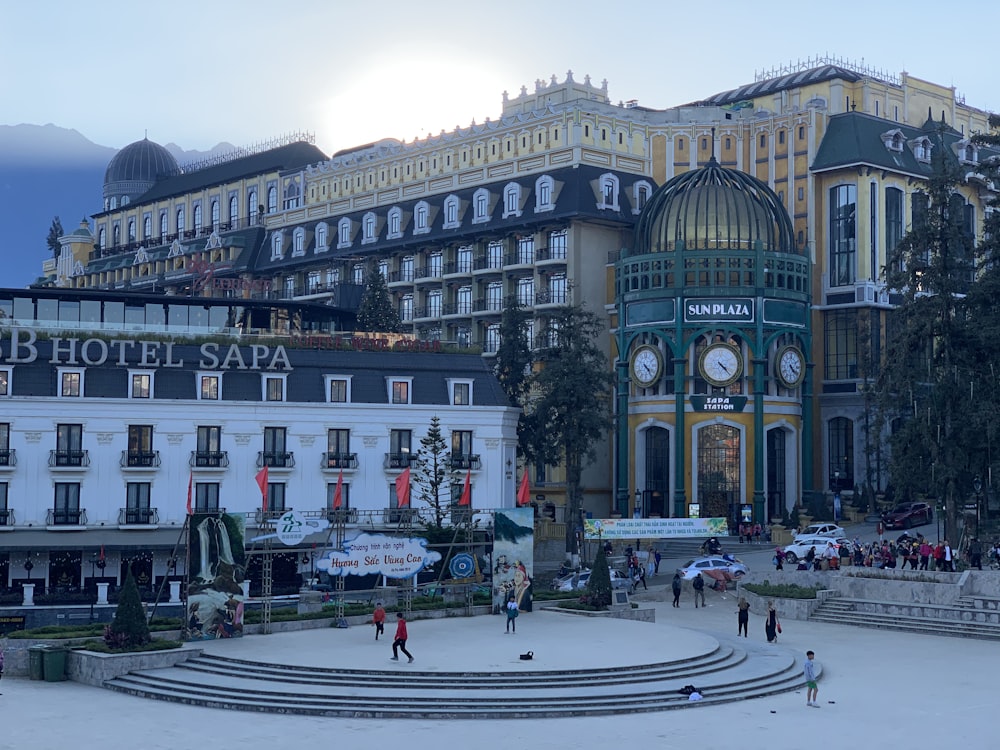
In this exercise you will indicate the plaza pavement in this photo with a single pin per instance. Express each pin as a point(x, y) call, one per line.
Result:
point(877, 687)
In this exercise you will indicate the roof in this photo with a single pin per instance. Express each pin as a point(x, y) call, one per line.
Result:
point(790, 81)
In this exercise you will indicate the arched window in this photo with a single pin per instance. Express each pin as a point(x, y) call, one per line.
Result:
point(163, 224)
point(252, 206)
point(131, 230)
point(180, 219)
point(609, 192)
point(215, 216)
point(102, 237)
point(420, 218)
point(344, 232)
point(843, 236)
point(234, 212)
point(147, 227)
point(272, 199)
point(395, 223)
point(298, 242)
point(511, 200)
point(116, 236)
point(840, 452)
point(291, 195)
point(481, 205)
point(321, 236)
point(368, 224)
point(719, 454)
point(276, 246)
point(114, 202)
point(197, 216)
point(451, 212)
point(642, 191)
point(543, 194)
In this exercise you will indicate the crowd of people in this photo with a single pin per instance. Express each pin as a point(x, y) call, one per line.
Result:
point(906, 552)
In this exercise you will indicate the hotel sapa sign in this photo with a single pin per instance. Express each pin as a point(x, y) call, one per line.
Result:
point(21, 346)
point(718, 309)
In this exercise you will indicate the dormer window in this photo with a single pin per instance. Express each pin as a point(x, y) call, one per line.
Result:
point(322, 237)
point(967, 152)
point(481, 206)
point(543, 194)
point(609, 192)
point(642, 191)
point(512, 200)
point(921, 149)
point(368, 228)
point(395, 218)
point(298, 242)
point(276, 246)
point(421, 218)
point(344, 233)
point(893, 140)
point(451, 212)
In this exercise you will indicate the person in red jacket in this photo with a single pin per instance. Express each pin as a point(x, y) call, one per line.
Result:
point(400, 642)
point(378, 619)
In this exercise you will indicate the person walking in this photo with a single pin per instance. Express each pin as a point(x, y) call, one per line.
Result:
point(976, 554)
point(809, 672)
point(779, 558)
point(651, 563)
point(924, 551)
point(949, 558)
point(512, 613)
point(771, 625)
point(675, 586)
point(657, 557)
point(698, 584)
point(400, 641)
point(742, 617)
point(378, 619)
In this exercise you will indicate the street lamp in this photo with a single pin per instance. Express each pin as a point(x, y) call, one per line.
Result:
point(836, 495)
point(977, 485)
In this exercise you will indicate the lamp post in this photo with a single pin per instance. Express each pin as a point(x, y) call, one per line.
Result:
point(28, 565)
point(836, 495)
point(977, 485)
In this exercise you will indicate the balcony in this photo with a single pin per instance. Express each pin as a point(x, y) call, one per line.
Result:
point(545, 254)
point(488, 306)
point(398, 460)
point(65, 517)
point(486, 264)
point(404, 276)
point(335, 461)
point(466, 462)
point(209, 459)
point(554, 297)
point(520, 258)
point(276, 459)
point(428, 272)
point(8, 458)
point(140, 459)
point(7, 518)
point(71, 459)
point(343, 515)
point(431, 312)
point(460, 516)
point(138, 517)
point(401, 516)
point(458, 267)
point(456, 308)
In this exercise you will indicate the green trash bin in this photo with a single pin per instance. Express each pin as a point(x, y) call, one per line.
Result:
point(35, 656)
point(54, 660)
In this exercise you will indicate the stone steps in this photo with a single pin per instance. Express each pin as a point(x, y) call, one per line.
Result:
point(734, 671)
point(949, 621)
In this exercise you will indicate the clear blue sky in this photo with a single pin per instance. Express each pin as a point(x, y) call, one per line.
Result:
point(197, 73)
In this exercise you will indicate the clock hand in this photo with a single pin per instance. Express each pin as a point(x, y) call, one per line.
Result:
point(724, 368)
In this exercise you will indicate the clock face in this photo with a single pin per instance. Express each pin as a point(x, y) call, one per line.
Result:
point(646, 365)
point(791, 366)
point(721, 364)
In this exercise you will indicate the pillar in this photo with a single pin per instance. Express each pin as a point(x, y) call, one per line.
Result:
point(29, 595)
point(102, 593)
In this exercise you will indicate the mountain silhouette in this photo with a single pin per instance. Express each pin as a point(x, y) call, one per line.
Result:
point(48, 171)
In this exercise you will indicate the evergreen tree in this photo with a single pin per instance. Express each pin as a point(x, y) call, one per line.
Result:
point(513, 362)
point(568, 409)
point(922, 385)
point(52, 240)
point(129, 628)
point(431, 469)
point(376, 312)
point(599, 583)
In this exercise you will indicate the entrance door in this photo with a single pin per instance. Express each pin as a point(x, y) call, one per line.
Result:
point(657, 483)
point(719, 454)
point(777, 467)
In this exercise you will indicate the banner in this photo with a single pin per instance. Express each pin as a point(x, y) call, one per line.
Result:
point(392, 556)
point(653, 528)
point(513, 557)
point(217, 563)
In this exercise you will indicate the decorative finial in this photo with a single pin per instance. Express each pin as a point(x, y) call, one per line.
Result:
point(586, 80)
point(554, 81)
point(569, 76)
point(505, 96)
point(524, 91)
point(604, 85)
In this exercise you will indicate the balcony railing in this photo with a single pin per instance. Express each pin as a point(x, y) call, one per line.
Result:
point(339, 461)
point(275, 459)
point(488, 305)
point(138, 517)
point(456, 308)
point(399, 460)
point(140, 459)
point(460, 516)
point(209, 459)
point(8, 457)
point(558, 297)
point(551, 253)
point(343, 515)
point(7, 517)
point(72, 458)
point(210, 509)
point(402, 516)
point(520, 258)
point(400, 277)
point(428, 272)
point(65, 517)
point(462, 266)
point(490, 263)
point(466, 461)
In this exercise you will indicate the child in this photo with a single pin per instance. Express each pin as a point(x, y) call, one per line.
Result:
point(378, 619)
point(809, 671)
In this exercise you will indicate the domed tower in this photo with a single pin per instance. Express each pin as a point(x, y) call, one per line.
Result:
point(134, 170)
point(713, 382)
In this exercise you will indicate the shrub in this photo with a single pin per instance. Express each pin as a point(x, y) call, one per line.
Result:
point(782, 590)
point(599, 585)
point(129, 628)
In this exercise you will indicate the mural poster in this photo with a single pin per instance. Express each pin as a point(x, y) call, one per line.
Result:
point(216, 567)
point(513, 557)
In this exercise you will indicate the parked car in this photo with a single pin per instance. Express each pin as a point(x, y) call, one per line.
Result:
point(798, 549)
point(826, 528)
point(731, 565)
point(905, 515)
point(618, 581)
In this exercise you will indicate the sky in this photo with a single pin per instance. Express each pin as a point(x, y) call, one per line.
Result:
point(198, 73)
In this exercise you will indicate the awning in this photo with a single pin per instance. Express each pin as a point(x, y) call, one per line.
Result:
point(130, 540)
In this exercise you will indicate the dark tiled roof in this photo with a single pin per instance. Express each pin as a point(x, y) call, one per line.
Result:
point(772, 85)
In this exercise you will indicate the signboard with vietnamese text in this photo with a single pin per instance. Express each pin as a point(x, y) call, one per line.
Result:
point(653, 528)
point(368, 554)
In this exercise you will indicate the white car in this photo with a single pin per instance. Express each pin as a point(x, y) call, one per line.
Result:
point(736, 568)
point(823, 529)
point(798, 549)
point(618, 581)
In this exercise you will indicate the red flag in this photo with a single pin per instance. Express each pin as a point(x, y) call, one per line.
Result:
point(190, 480)
point(403, 489)
point(262, 483)
point(338, 493)
point(465, 501)
point(523, 493)
point(101, 557)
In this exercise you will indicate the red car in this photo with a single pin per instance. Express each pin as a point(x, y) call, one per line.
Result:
point(905, 515)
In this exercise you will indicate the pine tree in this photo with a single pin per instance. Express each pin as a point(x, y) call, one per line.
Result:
point(129, 628)
point(431, 469)
point(376, 312)
point(52, 240)
point(568, 410)
point(599, 583)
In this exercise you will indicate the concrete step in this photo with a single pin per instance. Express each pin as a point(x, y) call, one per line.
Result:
point(736, 670)
point(840, 611)
point(941, 613)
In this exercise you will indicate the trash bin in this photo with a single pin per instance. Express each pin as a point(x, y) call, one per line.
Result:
point(35, 655)
point(55, 663)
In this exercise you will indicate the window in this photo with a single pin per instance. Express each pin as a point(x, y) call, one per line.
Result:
point(451, 212)
point(234, 212)
point(206, 497)
point(434, 265)
point(841, 345)
point(526, 291)
point(140, 385)
point(383, 269)
point(399, 449)
point(180, 219)
point(344, 233)
point(338, 449)
point(557, 244)
point(274, 387)
point(894, 224)
point(461, 449)
point(140, 446)
point(420, 218)
point(543, 194)
point(276, 497)
point(609, 192)
point(69, 445)
point(368, 228)
point(406, 308)
point(276, 246)
point(208, 387)
point(840, 445)
point(800, 194)
point(313, 282)
point(763, 140)
point(71, 383)
point(461, 392)
point(492, 341)
point(147, 227)
point(253, 208)
point(275, 452)
point(843, 208)
point(131, 230)
point(512, 200)
point(802, 132)
point(66, 510)
point(209, 451)
point(332, 277)
point(781, 137)
point(6, 454)
point(494, 296)
point(918, 210)
point(358, 274)
point(197, 216)
point(395, 223)
point(4, 382)
point(163, 227)
point(642, 191)
point(399, 391)
point(557, 289)
point(463, 300)
point(5, 515)
point(339, 389)
point(272, 199)
point(345, 495)
point(480, 203)
point(434, 304)
point(137, 502)
point(298, 242)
